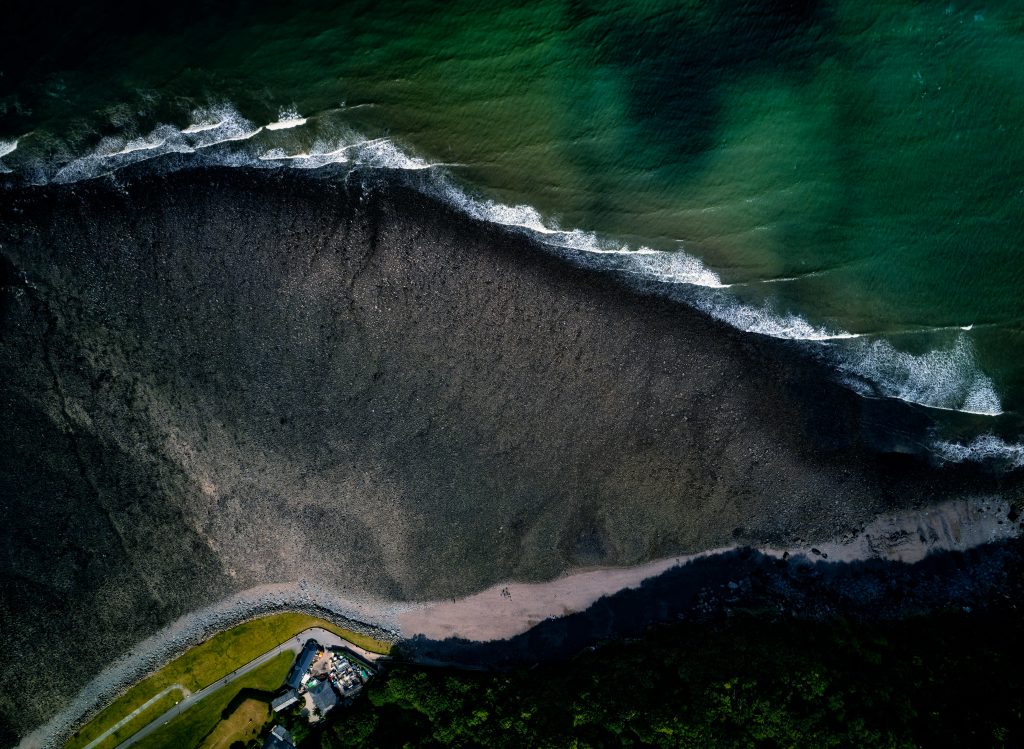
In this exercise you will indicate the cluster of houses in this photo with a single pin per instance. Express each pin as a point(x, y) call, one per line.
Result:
point(320, 679)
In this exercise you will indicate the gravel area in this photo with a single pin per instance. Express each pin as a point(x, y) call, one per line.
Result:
point(222, 379)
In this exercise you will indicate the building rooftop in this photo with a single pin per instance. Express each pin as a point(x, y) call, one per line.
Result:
point(285, 700)
point(302, 664)
point(324, 696)
point(279, 738)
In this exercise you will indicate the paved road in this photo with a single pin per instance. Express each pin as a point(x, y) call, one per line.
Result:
point(325, 638)
point(144, 706)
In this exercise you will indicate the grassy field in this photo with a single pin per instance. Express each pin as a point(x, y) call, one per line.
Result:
point(190, 729)
point(242, 725)
point(205, 663)
point(158, 708)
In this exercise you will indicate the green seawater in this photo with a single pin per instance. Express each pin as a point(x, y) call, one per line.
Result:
point(858, 164)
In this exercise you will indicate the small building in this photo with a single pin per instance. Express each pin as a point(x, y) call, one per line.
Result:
point(284, 701)
point(324, 696)
point(278, 738)
point(302, 664)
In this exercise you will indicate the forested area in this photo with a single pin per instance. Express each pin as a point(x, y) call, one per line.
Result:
point(947, 680)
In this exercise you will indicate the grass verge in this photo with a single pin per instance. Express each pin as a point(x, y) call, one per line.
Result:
point(209, 661)
point(191, 728)
point(244, 724)
point(152, 712)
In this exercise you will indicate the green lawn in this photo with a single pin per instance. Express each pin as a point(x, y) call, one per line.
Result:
point(158, 708)
point(188, 730)
point(205, 663)
point(244, 724)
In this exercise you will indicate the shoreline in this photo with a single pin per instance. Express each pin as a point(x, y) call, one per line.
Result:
point(391, 396)
point(194, 628)
point(504, 611)
point(491, 615)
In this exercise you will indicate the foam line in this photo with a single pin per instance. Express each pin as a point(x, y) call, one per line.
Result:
point(201, 128)
point(985, 449)
point(945, 378)
point(286, 124)
point(286, 120)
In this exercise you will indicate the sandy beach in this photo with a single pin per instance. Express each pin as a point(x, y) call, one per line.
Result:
point(504, 611)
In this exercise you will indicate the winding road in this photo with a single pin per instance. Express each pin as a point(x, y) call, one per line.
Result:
point(293, 644)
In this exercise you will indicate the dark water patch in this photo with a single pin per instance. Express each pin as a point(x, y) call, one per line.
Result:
point(681, 66)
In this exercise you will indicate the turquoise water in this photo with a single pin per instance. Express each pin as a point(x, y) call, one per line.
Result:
point(847, 171)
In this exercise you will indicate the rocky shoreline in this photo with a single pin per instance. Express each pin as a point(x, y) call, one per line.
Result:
point(159, 649)
point(468, 632)
point(221, 379)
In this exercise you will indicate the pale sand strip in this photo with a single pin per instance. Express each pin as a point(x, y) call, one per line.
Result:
point(506, 610)
point(491, 615)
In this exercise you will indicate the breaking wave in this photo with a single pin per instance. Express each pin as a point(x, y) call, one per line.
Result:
point(985, 449)
point(7, 147)
point(943, 378)
point(946, 378)
point(224, 137)
point(288, 118)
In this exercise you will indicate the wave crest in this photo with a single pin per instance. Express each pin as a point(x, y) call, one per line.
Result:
point(943, 378)
point(984, 449)
point(948, 379)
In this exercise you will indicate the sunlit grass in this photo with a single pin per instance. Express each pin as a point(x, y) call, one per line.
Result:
point(205, 663)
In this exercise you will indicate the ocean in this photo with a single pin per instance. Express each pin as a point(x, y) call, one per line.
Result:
point(846, 174)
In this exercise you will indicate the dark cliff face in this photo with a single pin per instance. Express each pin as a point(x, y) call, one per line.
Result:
point(218, 379)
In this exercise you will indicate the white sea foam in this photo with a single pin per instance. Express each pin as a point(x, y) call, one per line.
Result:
point(218, 124)
point(288, 118)
point(985, 449)
point(383, 154)
point(113, 153)
point(138, 144)
point(229, 138)
point(944, 378)
point(348, 149)
point(948, 379)
point(210, 127)
point(670, 267)
point(676, 267)
point(286, 124)
point(202, 127)
point(8, 147)
point(767, 322)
